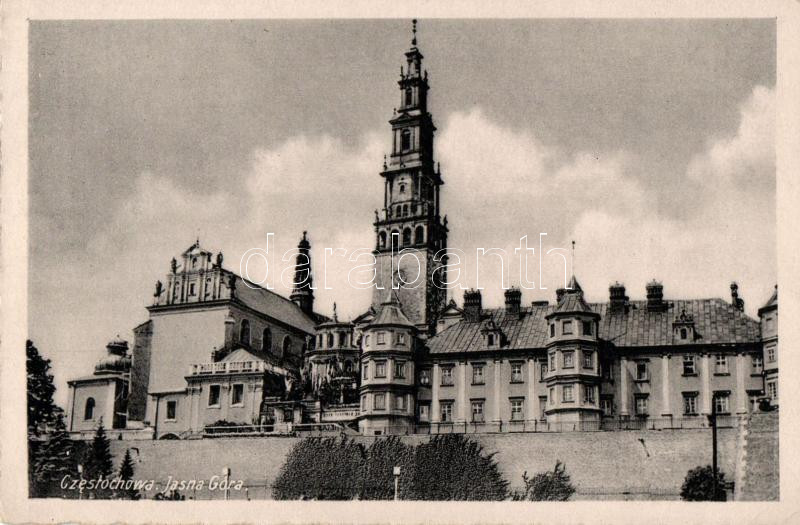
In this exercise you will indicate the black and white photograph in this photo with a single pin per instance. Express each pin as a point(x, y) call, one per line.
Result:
point(413, 258)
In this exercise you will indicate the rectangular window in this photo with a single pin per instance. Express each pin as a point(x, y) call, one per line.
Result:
point(769, 323)
point(516, 372)
point(192, 289)
point(568, 357)
point(380, 401)
point(237, 395)
point(758, 364)
point(552, 330)
point(753, 402)
point(447, 411)
point(400, 402)
point(477, 411)
point(772, 390)
point(380, 368)
point(588, 395)
point(381, 338)
point(516, 410)
point(608, 374)
point(172, 409)
point(588, 359)
point(363, 403)
point(552, 362)
point(552, 396)
point(607, 406)
point(400, 369)
point(771, 354)
point(477, 374)
point(542, 407)
point(721, 402)
point(641, 405)
point(365, 370)
point(689, 403)
point(424, 412)
point(447, 376)
point(566, 394)
point(543, 371)
point(566, 327)
point(689, 365)
point(213, 395)
point(401, 339)
point(587, 328)
point(641, 371)
point(721, 364)
point(425, 376)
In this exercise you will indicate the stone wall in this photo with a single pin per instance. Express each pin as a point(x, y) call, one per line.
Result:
point(603, 465)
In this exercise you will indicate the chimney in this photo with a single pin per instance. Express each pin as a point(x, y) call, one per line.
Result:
point(735, 301)
point(655, 297)
point(513, 301)
point(472, 305)
point(617, 297)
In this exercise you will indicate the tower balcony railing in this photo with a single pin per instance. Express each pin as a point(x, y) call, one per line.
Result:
point(227, 367)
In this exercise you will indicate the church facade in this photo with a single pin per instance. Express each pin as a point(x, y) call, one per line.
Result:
point(221, 355)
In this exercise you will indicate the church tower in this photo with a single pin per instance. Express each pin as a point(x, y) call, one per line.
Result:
point(410, 229)
point(303, 292)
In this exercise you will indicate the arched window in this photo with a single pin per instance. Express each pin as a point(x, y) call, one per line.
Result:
point(405, 140)
point(330, 340)
point(406, 236)
point(287, 346)
point(399, 211)
point(491, 339)
point(88, 410)
point(409, 97)
point(266, 340)
point(684, 333)
point(244, 332)
point(342, 339)
point(402, 188)
point(419, 235)
point(382, 239)
point(395, 239)
point(405, 210)
point(348, 366)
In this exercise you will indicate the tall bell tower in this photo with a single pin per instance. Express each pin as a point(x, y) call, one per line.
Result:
point(410, 229)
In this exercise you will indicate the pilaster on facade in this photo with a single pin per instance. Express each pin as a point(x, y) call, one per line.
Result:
point(666, 396)
point(741, 393)
point(705, 383)
point(461, 400)
point(436, 382)
point(533, 401)
point(497, 379)
point(624, 400)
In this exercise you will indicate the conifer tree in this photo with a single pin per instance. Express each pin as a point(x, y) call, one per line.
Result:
point(43, 413)
point(53, 460)
point(126, 474)
point(99, 463)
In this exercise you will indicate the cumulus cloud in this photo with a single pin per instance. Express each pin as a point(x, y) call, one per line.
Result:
point(501, 184)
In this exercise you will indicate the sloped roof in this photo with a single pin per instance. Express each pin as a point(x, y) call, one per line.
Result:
point(391, 314)
point(572, 301)
point(716, 322)
point(242, 354)
point(771, 303)
point(274, 305)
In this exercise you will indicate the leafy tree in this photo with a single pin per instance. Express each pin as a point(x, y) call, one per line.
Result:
point(321, 468)
point(453, 467)
point(699, 485)
point(126, 474)
point(43, 414)
point(547, 486)
point(381, 458)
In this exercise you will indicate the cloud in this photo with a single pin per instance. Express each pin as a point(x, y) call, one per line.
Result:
point(501, 184)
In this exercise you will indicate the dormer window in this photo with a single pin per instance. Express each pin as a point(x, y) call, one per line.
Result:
point(684, 333)
point(381, 338)
point(490, 340)
point(402, 188)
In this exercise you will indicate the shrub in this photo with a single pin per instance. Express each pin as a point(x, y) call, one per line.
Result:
point(321, 468)
point(547, 486)
point(453, 467)
point(378, 477)
point(699, 485)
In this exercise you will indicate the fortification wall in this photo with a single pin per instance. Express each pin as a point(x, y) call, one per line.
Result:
point(603, 465)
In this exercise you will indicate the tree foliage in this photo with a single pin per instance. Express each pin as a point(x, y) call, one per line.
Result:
point(51, 461)
point(448, 467)
point(554, 485)
point(321, 468)
point(126, 474)
point(453, 467)
point(43, 413)
point(699, 485)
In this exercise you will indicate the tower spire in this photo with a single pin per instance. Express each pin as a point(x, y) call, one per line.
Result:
point(303, 291)
point(414, 32)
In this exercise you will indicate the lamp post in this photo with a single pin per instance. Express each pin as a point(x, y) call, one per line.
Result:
point(396, 473)
point(712, 418)
point(226, 471)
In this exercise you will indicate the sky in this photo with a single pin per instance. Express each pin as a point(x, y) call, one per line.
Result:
point(650, 143)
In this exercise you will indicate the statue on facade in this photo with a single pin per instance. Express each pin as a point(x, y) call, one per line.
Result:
point(219, 259)
point(159, 286)
point(174, 265)
point(232, 284)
